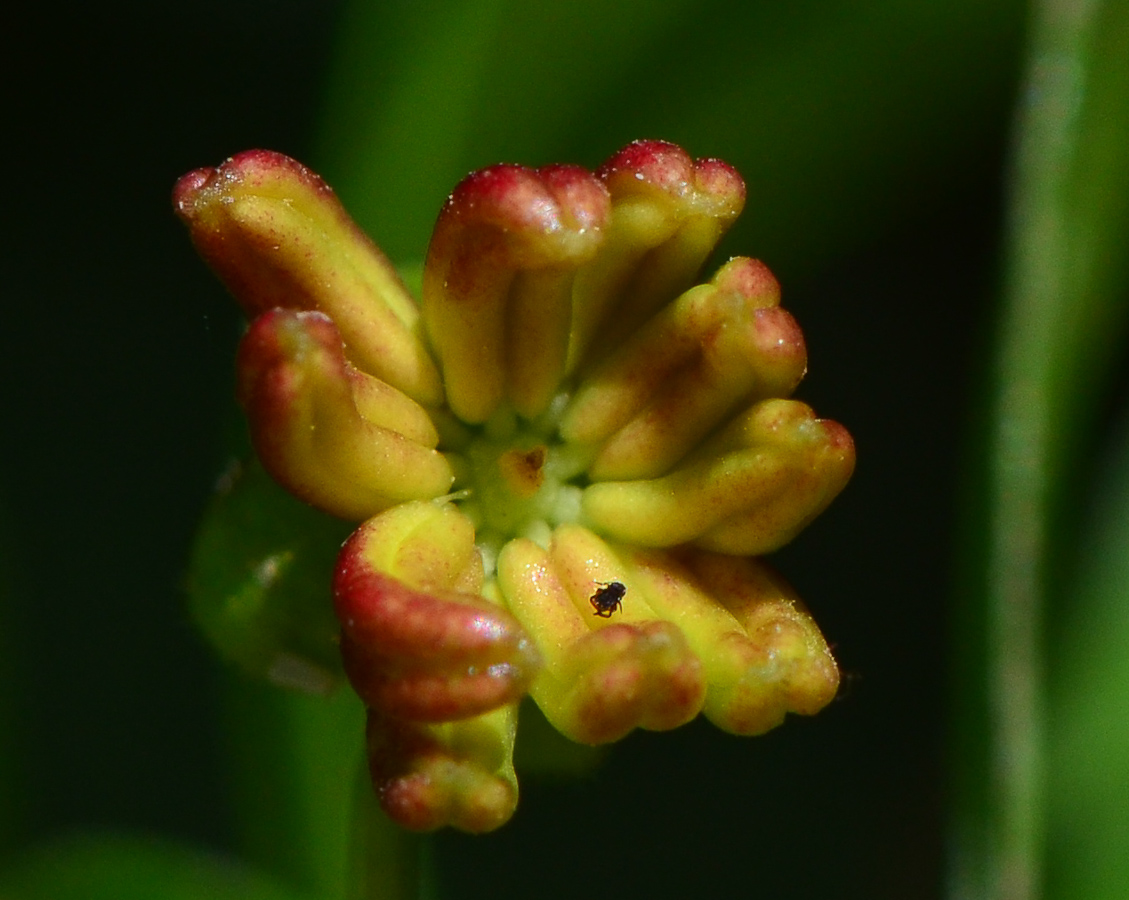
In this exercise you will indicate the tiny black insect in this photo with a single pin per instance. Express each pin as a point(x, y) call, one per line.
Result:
point(608, 598)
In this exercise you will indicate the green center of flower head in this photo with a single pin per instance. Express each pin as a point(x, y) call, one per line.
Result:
point(520, 481)
point(564, 457)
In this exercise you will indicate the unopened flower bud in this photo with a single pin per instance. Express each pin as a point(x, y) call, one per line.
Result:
point(276, 235)
point(300, 395)
point(668, 213)
point(717, 347)
point(601, 680)
point(762, 654)
point(746, 491)
point(457, 774)
point(419, 641)
point(783, 662)
point(497, 287)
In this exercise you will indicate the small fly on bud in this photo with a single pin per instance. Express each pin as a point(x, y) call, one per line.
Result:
point(608, 598)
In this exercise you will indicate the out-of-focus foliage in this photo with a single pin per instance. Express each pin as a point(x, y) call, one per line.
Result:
point(257, 580)
point(840, 115)
point(120, 867)
point(1060, 344)
point(1088, 702)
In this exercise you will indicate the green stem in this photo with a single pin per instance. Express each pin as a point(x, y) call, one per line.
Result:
point(295, 758)
point(386, 862)
point(1060, 319)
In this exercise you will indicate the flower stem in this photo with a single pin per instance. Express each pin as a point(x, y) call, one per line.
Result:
point(385, 862)
point(295, 756)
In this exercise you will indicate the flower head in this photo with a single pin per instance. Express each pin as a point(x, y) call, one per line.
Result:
point(565, 458)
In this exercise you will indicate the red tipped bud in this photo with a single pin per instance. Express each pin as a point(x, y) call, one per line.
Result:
point(276, 235)
point(717, 348)
point(668, 213)
point(432, 776)
point(497, 289)
point(299, 394)
point(749, 490)
point(414, 645)
point(601, 679)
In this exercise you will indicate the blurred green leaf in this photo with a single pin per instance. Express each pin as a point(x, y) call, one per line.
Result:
point(124, 867)
point(304, 802)
point(841, 115)
point(1088, 717)
point(259, 587)
point(259, 580)
point(387, 862)
point(294, 762)
point(1061, 331)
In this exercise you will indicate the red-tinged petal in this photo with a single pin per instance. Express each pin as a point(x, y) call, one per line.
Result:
point(668, 213)
point(296, 387)
point(414, 645)
point(761, 355)
point(600, 684)
point(717, 348)
point(276, 235)
point(762, 654)
point(748, 490)
point(430, 694)
point(824, 459)
point(434, 631)
point(432, 776)
point(782, 661)
point(749, 278)
point(624, 677)
point(650, 166)
point(430, 546)
point(497, 289)
point(406, 584)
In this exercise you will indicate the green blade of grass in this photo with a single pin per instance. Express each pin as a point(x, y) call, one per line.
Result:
point(1063, 312)
point(1088, 704)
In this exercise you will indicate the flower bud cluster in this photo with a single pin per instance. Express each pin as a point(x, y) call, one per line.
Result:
point(565, 458)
